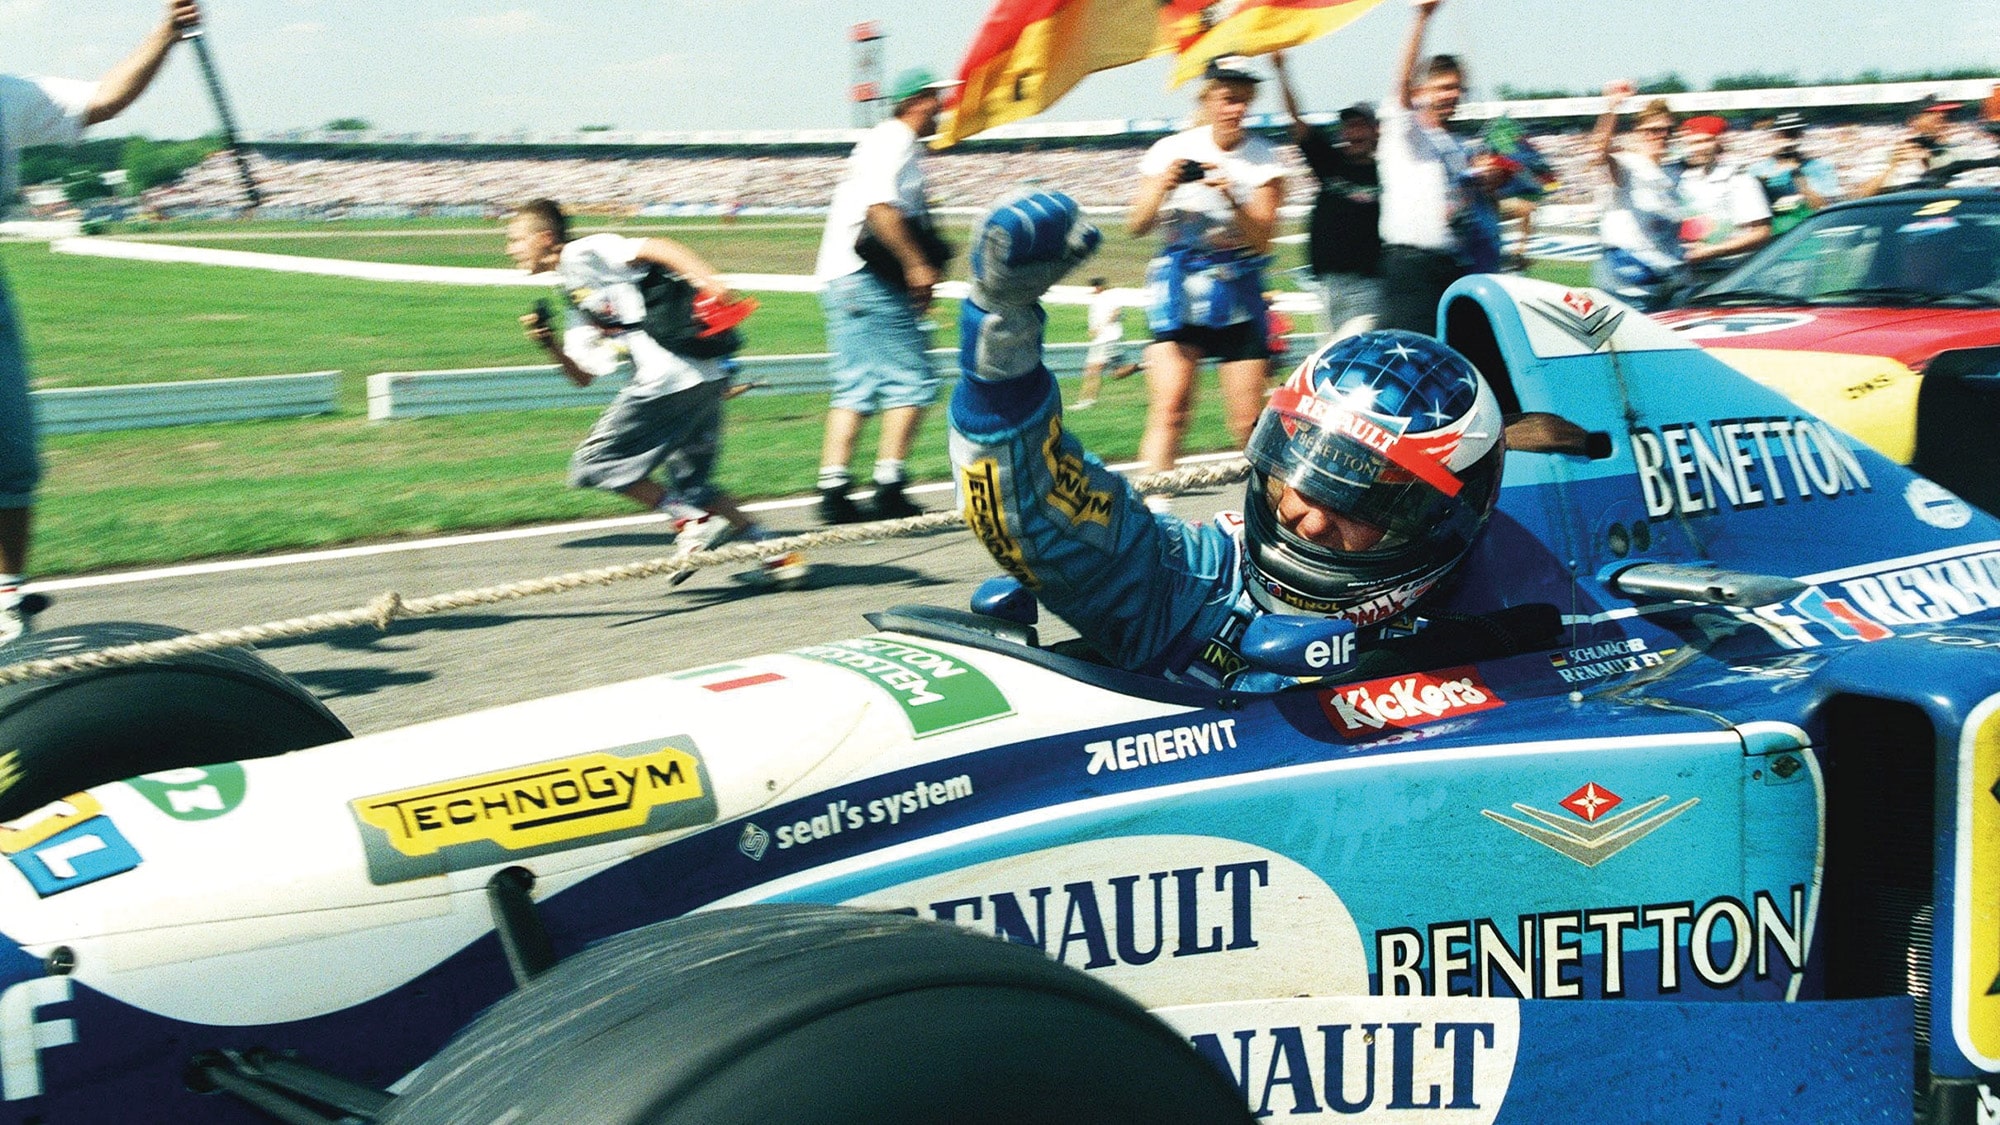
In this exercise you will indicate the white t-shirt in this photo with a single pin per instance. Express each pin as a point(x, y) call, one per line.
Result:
point(600, 274)
point(1106, 317)
point(1421, 170)
point(1643, 213)
point(1723, 199)
point(37, 111)
point(882, 169)
point(1196, 214)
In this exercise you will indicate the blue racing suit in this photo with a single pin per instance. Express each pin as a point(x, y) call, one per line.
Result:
point(1151, 593)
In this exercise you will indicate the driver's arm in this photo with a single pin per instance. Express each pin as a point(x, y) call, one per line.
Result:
point(1050, 513)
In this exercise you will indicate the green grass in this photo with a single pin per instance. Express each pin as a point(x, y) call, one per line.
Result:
point(153, 496)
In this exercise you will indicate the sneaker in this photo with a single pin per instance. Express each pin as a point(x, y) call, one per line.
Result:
point(835, 507)
point(1083, 404)
point(1159, 505)
point(13, 623)
point(787, 571)
point(703, 534)
point(891, 504)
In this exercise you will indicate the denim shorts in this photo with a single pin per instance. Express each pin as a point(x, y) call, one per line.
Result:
point(646, 430)
point(20, 467)
point(878, 347)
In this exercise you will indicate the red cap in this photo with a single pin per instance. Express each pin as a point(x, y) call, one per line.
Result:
point(1708, 125)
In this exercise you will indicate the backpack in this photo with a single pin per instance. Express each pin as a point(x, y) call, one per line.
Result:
point(671, 322)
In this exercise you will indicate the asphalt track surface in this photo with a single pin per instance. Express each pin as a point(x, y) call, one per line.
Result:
point(447, 664)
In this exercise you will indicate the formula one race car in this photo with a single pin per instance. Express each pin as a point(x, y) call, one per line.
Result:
point(1687, 807)
point(1882, 316)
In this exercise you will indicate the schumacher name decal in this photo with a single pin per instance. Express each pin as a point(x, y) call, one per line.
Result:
point(1689, 470)
point(534, 809)
point(986, 515)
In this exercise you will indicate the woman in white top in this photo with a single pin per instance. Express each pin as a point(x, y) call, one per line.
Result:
point(1642, 262)
point(1213, 193)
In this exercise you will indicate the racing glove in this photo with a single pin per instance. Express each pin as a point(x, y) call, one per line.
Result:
point(1020, 248)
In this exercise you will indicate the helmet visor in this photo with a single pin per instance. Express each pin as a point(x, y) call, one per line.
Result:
point(1356, 468)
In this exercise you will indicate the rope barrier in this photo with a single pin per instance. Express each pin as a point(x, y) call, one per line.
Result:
point(391, 606)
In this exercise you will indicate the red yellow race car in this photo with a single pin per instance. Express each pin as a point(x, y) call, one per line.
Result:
point(1882, 316)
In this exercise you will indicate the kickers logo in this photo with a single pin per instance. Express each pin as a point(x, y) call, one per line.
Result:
point(1401, 702)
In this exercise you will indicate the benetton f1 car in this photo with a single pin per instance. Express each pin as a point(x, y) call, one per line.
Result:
point(1720, 840)
point(1881, 316)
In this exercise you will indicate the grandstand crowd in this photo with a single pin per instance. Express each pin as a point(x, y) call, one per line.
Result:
point(441, 182)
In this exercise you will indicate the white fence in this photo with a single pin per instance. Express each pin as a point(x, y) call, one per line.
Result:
point(75, 410)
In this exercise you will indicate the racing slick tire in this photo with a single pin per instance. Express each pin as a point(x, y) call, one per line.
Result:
point(1958, 419)
point(63, 735)
point(813, 1015)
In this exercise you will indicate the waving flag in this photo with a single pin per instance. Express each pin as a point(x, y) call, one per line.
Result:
point(1029, 53)
point(1252, 27)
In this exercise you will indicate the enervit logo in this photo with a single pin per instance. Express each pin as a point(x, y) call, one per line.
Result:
point(1150, 748)
point(534, 809)
point(1401, 702)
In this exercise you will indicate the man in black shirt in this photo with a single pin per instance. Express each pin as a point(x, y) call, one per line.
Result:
point(1345, 246)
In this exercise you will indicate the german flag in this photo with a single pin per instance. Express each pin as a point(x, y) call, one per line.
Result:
point(1252, 27)
point(1029, 53)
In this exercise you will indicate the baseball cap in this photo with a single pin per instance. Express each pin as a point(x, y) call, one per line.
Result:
point(1708, 125)
point(918, 80)
point(1230, 68)
point(1359, 111)
point(1788, 123)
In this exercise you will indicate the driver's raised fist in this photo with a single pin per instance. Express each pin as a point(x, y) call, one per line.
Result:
point(1026, 244)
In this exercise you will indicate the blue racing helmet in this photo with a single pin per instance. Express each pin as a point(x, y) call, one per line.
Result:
point(1396, 438)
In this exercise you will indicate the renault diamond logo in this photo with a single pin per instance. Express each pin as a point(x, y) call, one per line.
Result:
point(1597, 836)
point(1591, 325)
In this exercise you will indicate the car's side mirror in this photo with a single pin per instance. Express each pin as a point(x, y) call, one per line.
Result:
point(1004, 597)
point(1298, 646)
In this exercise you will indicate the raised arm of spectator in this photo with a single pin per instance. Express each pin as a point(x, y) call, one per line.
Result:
point(1299, 126)
point(1413, 50)
point(1904, 152)
point(690, 265)
point(1604, 138)
point(122, 84)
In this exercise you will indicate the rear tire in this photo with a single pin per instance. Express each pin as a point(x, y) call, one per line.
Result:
point(106, 724)
point(815, 1015)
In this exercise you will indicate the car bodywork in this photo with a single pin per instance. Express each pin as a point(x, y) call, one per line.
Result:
point(1841, 318)
point(1755, 827)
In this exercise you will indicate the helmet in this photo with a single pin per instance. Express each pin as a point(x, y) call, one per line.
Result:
point(1392, 430)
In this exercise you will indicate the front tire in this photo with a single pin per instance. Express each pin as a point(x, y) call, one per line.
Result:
point(63, 735)
point(815, 1015)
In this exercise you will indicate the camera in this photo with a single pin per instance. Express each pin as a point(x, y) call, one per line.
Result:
point(545, 314)
point(1189, 172)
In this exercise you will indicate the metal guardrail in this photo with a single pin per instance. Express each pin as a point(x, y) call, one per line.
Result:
point(133, 406)
point(418, 394)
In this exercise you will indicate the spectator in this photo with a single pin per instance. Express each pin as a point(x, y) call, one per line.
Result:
point(1344, 244)
point(1438, 218)
point(1277, 327)
point(1213, 193)
point(872, 310)
point(1728, 215)
point(41, 111)
point(1106, 322)
point(669, 415)
point(1641, 262)
point(1795, 184)
point(1922, 150)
